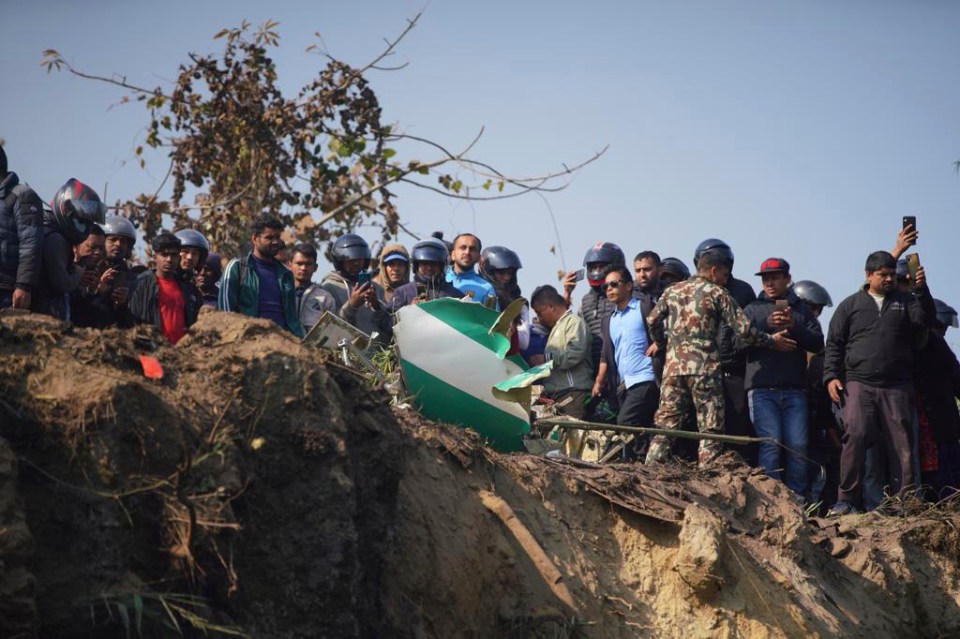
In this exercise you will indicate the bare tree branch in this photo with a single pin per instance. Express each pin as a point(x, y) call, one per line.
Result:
point(53, 60)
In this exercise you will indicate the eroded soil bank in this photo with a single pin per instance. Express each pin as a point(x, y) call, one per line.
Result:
point(258, 489)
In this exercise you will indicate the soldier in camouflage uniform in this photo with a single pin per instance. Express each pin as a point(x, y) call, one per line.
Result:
point(691, 313)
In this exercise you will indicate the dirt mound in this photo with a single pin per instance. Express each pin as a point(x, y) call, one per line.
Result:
point(260, 489)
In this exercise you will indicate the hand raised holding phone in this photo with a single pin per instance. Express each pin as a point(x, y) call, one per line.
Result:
point(907, 236)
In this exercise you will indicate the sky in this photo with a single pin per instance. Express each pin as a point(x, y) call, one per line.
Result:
point(799, 130)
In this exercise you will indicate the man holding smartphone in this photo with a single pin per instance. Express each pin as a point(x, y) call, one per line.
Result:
point(776, 380)
point(358, 299)
point(868, 371)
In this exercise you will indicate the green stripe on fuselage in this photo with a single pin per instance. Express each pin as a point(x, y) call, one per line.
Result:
point(439, 400)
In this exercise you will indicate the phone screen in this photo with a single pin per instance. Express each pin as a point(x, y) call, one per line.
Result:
point(910, 220)
point(579, 275)
point(782, 305)
point(363, 277)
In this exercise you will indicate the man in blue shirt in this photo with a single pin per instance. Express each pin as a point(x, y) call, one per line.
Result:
point(466, 254)
point(629, 370)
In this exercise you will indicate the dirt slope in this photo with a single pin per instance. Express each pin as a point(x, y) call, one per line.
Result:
point(258, 489)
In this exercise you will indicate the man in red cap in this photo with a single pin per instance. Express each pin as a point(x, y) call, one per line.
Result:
point(776, 380)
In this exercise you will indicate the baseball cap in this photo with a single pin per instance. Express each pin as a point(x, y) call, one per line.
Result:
point(394, 257)
point(774, 265)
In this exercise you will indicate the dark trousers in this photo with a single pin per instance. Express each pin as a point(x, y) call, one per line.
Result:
point(638, 404)
point(736, 416)
point(637, 407)
point(876, 416)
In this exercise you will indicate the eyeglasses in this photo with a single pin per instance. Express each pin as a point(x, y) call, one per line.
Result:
point(612, 284)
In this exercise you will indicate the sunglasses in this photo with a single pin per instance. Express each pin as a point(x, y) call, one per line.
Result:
point(608, 285)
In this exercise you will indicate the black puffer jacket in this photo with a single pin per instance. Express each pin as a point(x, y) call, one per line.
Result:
point(594, 308)
point(21, 235)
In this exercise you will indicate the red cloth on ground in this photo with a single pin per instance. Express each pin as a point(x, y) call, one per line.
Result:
point(173, 309)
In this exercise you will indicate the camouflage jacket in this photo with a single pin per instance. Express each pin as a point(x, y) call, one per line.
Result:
point(687, 319)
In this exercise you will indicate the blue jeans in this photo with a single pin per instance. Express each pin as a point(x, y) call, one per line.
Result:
point(781, 414)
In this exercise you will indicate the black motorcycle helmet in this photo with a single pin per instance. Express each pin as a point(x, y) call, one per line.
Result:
point(74, 208)
point(812, 293)
point(713, 245)
point(598, 257)
point(431, 250)
point(673, 270)
point(903, 270)
point(350, 247)
point(498, 258)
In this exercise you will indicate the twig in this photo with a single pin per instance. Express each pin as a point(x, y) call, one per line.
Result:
point(567, 423)
point(547, 570)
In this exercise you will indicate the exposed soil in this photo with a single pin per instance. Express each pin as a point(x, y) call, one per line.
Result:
point(259, 489)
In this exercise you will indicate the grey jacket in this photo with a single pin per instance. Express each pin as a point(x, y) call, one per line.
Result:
point(364, 318)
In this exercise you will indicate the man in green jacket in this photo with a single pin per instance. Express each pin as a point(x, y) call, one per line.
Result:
point(568, 347)
point(258, 284)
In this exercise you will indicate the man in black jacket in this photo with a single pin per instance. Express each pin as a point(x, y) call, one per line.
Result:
point(21, 239)
point(775, 380)
point(868, 370)
point(647, 288)
point(162, 297)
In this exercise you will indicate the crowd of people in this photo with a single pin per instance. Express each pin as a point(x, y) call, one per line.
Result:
point(846, 418)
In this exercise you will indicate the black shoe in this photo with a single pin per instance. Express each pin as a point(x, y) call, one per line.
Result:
point(842, 508)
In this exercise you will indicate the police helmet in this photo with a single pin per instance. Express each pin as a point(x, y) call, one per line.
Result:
point(431, 250)
point(74, 208)
point(675, 267)
point(946, 314)
point(713, 245)
point(351, 247)
point(812, 293)
point(190, 238)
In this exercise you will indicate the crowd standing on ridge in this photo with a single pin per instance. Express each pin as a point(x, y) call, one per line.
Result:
point(867, 411)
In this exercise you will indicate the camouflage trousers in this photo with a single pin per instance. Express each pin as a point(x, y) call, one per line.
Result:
point(682, 396)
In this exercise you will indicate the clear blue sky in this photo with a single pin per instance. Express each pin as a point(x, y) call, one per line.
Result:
point(802, 130)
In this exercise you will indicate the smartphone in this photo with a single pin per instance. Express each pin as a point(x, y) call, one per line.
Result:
point(913, 263)
point(910, 220)
point(782, 305)
point(579, 275)
point(363, 277)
